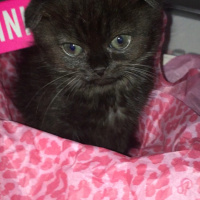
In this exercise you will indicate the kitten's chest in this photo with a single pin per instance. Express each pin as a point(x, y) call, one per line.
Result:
point(114, 115)
point(93, 114)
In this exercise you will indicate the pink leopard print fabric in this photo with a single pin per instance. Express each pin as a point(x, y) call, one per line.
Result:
point(39, 166)
point(35, 165)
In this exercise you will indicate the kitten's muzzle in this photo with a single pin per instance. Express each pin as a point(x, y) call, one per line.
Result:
point(99, 71)
point(99, 76)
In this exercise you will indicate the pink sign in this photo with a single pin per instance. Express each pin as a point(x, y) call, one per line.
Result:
point(13, 35)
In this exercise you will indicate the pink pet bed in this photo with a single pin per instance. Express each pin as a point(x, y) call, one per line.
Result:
point(35, 165)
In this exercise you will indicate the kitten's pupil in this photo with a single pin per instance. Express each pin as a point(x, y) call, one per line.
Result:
point(120, 40)
point(72, 47)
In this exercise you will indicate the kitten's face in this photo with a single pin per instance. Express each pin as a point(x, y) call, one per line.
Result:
point(100, 43)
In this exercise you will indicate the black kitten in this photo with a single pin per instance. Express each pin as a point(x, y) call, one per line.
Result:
point(91, 70)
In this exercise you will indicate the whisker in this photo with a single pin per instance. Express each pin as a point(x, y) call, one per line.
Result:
point(61, 90)
point(73, 91)
point(48, 84)
point(44, 93)
point(139, 74)
point(142, 72)
point(137, 64)
point(124, 75)
point(133, 74)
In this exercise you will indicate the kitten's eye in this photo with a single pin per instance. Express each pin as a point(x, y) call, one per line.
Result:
point(72, 50)
point(121, 42)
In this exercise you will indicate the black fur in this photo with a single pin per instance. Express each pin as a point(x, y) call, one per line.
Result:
point(69, 96)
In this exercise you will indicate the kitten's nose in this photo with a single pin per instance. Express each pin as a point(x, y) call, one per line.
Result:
point(99, 71)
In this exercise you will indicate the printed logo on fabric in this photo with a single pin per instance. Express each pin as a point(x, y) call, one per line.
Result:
point(185, 185)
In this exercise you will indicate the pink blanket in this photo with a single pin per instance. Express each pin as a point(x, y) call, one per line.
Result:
point(35, 165)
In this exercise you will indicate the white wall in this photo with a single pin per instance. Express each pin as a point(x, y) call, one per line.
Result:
point(185, 32)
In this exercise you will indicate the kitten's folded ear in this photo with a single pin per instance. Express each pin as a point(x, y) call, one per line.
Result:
point(34, 13)
point(154, 3)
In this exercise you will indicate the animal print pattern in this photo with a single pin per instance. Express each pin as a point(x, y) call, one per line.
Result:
point(35, 165)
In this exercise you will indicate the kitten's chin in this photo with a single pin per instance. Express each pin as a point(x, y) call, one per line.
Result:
point(103, 81)
point(108, 81)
